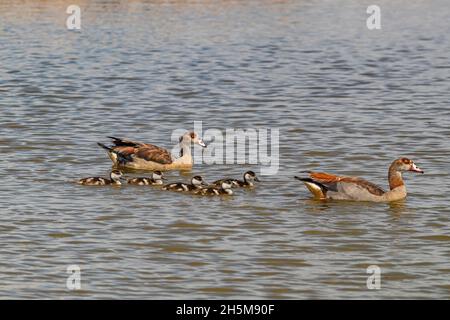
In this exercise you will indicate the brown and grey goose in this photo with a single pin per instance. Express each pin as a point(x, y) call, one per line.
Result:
point(328, 186)
point(144, 156)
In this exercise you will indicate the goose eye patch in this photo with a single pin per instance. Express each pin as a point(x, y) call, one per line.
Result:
point(406, 161)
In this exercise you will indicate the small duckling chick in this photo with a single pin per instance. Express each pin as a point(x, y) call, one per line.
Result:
point(249, 177)
point(114, 179)
point(197, 183)
point(224, 189)
point(156, 179)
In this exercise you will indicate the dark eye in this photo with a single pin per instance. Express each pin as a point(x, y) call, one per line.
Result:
point(192, 135)
point(406, 161)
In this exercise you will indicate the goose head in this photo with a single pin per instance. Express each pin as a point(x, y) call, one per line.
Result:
point(192, 137)
point(198, 182)
point(250, 176)
point(116, 176)
point(405, 164)
point(158, 176)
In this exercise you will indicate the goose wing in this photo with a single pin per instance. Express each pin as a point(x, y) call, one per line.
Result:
point(119, 142)
point(153, 153)
point(344, 184)
point(145, 151)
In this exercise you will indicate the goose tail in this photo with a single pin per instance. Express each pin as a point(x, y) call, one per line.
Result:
point(318, 190)
point(116, 156)
point(109, 149)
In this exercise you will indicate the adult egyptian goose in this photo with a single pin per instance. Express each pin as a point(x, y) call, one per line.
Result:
point(328, 186)
point(114, 179)
point(138, 155)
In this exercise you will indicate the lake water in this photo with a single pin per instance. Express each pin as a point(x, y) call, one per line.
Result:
point(346, 100)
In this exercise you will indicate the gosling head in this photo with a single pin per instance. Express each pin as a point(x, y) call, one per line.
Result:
point(116, 176)
point(198, 182)
point(250, 176)
point(158, 177)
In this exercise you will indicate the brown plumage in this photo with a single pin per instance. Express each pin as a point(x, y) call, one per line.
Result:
point(148, 152)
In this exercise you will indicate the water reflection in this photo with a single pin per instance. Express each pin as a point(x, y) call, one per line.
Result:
point(398, 208)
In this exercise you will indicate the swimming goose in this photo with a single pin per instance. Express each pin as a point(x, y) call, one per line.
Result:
point(156, 179)
point(138, 155)
point(115, 177)
point(249, 177)
point(197, 182)
point(224, 189)
point(328, 186)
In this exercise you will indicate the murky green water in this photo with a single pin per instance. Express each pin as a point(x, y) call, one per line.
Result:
point(346, 99)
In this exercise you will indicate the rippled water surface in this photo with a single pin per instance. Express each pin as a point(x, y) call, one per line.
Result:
point(346, 100)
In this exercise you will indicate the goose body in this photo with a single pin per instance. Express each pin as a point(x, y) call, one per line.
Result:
point(196, 184)
point(249, 178)
point(156, 179)
point(224, 189)
point(137, 155)
point(329, 186)
point(114, 179)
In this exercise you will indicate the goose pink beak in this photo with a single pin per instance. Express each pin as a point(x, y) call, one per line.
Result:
point(415, 168)
point(201, 143)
